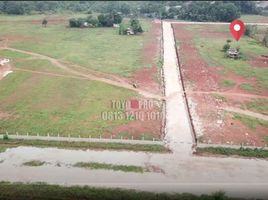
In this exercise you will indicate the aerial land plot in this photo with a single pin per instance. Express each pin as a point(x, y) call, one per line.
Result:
point(228, 97)
point(61, 79)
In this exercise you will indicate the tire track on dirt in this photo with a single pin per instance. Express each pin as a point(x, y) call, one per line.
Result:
point(88, 76)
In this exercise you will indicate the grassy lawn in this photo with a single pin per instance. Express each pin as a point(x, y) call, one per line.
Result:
point(57, 105)
point(250, 122)
point(24, 61)
point(43, 104)
point(258, 105)
point(10, 143)
point(124, 168)
point(42, 191)
point(254, 18)
point(100, 49)
point(244, 152)
point(211, 51)
point(228, 83)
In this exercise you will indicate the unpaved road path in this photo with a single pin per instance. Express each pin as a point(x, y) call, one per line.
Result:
point(178, 128)
point(246, 112)
point(86, 75)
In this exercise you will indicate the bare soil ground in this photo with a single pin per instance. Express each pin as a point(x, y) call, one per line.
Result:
point(146, 78)
point(218, 126)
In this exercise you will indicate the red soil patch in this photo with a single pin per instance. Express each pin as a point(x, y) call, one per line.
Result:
point(4, 115)
point(146, 78)
point(144, 124)
point(217, 127)
point(194, 69)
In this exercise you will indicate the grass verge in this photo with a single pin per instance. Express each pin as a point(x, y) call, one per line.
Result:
point(95, 165)
point(82, 145)
point(250, 122)
point(41, 191)
point(244, 152)
point(34, 163)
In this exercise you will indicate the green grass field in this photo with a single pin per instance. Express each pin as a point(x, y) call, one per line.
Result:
point(101, 49)
point(41, 103)
point(212, 53)
point(57, 105)
point(254, 18)
point(42, 191)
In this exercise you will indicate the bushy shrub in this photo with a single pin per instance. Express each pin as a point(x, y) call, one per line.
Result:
point(226, 47)
point(135, 25)
point(122, 29)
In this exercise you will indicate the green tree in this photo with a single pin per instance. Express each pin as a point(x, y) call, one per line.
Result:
point(265, 39)
point(226, 47)
point(122, 29)
point(135, 25)
point(14, 7)
point(105, 20)
point(44, 23)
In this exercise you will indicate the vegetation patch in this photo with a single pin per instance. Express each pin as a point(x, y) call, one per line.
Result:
point(83, 145)
point(2, 149)
point(247, 87)
point(124, 168)
point(42, 191)
point(219, 97)
point(245, 152)
point(228, 83)
point(250, 122)
point(34, 163)
point(258, 105)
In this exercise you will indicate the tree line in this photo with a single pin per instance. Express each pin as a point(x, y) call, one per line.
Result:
point(191, 10)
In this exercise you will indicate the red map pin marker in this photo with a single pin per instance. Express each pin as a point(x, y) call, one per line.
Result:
point(237, 29)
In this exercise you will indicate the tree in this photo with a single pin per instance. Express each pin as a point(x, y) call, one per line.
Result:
point(105, 20)
point(122, 29)
point(135, 25)
point(117, 18)
point(209, 11)
point(246, 7)
point(227, 12)
point(226, 47)
point(14, 7)
point(265, 39)
point(44, 23)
